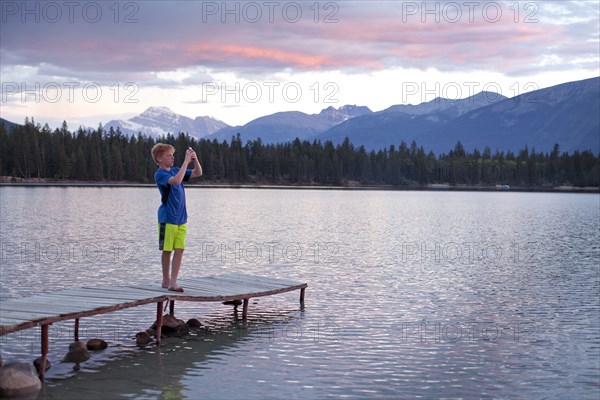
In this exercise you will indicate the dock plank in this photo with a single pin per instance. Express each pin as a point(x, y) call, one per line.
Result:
point(61, 302)
point(244, 279)
point(46, 308)
point(257, 279)
point(237, 285)
point(24, 315)
point(98, 295)
point(216, 287)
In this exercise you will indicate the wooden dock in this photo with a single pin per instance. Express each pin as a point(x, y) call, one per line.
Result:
point(46, 308)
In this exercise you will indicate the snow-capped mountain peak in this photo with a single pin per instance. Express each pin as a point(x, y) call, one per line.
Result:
point(159, 120)
point(341, 114)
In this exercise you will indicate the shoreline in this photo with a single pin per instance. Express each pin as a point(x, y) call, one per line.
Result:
point(429, 187)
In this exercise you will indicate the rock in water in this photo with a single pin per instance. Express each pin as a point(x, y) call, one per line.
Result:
point(18, 379)
point(96, 344)
point(142, 339)
point(194, 323)
point(77, 353)
point(37, 363)
point(172, 326)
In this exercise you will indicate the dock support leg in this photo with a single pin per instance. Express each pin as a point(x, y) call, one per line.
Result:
point(42, 370)
point(302, 295)
point(76, 331)
point(245, 309)
point(172, 307)
point(159, 321)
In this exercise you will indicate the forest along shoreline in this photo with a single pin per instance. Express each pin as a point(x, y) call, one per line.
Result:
point(8, 181)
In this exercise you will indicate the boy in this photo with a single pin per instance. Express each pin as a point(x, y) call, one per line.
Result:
point(172, 213)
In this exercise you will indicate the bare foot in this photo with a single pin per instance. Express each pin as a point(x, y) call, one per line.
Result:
point(176, 289)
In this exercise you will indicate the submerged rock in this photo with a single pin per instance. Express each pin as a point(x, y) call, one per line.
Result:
point(142, 339)
point(77, 353)
point(194, 323)
point(172, 326)
point(96, 344)
point(37, 363)
point(19, 379)
point(77, 346)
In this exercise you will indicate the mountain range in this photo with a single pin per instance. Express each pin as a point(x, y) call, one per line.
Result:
point(567, 114)
point(7, 124)
point(406, 122)
point(289, 125)
point(158, 121)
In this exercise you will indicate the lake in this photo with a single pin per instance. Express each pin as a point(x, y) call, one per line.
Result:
point(410, 293)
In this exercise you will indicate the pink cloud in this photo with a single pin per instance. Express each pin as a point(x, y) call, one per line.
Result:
point(270, 55)
point(367, 36)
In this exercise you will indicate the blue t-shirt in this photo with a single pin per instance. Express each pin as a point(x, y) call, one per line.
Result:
point(172, 209)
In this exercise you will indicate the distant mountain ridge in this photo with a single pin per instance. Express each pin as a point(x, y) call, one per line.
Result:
point(289, 125)
point(567, 114)
point(450, 107)
point(405, 122)
point(338, 115)
point(7, 124)
point(158, 121)
point(278, 127)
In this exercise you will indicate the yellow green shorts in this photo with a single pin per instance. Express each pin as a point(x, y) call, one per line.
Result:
point(171, 237)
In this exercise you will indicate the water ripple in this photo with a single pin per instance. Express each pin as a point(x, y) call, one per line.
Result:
point(411, 294)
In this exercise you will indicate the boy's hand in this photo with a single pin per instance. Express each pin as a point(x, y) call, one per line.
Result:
point(190, 155)
point(197, 171)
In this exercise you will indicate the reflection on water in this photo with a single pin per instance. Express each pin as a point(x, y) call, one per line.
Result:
point(158, 372)
point(430, 294)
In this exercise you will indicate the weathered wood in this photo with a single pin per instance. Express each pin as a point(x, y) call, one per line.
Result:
point(23, 315)
point(44, 338)
point(51, 318)
point(189, 295)
point(254, 279)
point(245, 309)
point(216, 286)
point(75, 303)
point(159, 321)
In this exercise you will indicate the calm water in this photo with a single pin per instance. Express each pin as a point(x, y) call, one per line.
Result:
point(411, 294)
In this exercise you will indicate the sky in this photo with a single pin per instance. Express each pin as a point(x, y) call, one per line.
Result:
point(88, 62)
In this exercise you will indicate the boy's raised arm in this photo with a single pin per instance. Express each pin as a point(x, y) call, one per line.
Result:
point(178, 178)
point(197, 172)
